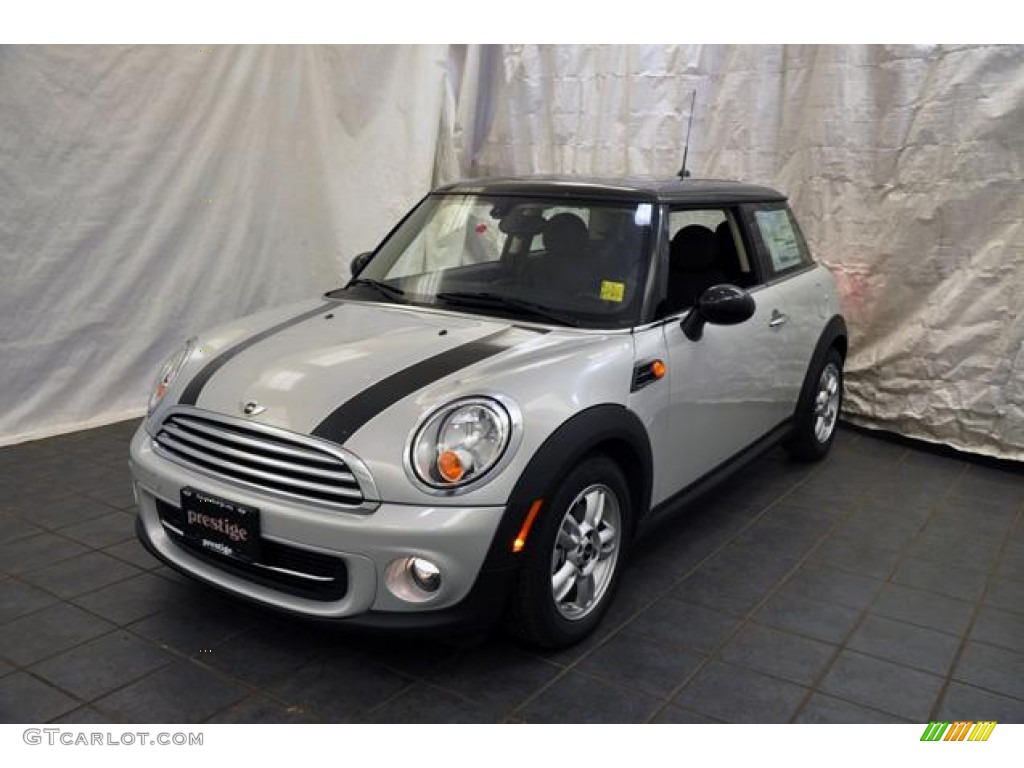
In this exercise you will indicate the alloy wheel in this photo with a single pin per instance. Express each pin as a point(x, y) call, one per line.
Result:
point(586, 551)
point(826, 403)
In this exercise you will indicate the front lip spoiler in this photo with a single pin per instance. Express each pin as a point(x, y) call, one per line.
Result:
point(478, 611)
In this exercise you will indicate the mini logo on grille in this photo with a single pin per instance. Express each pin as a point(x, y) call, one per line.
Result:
point(252, 408)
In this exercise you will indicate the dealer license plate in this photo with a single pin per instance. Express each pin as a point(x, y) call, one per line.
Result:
point(221, 526)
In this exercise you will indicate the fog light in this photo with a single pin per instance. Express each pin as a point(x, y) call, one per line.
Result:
point(413, 579)
point(426, 575)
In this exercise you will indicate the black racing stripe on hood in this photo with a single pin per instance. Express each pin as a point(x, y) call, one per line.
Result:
point(195, 387)
point(345, 420)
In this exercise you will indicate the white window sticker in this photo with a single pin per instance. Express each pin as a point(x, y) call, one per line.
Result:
point(777, 233)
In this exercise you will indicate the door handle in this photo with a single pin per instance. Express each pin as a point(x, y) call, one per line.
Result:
point(777, 319)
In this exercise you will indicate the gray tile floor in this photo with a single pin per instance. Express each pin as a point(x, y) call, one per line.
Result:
point(884, 585)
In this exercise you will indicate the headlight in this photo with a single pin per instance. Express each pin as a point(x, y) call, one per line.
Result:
point(460, 442)
point(168, 373)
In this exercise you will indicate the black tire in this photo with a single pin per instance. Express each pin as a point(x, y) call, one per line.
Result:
point(534, 616)
point(807, 443)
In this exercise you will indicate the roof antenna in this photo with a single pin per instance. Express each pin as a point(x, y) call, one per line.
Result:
point(683, 173)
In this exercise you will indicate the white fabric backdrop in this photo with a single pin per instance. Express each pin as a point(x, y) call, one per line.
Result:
point(109, 254)
point(904, 166)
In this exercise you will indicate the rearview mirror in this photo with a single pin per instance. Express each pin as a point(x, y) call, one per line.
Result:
point(360, 261)
point(719, 305)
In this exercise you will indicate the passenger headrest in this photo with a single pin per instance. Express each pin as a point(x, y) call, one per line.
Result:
point(693, 249)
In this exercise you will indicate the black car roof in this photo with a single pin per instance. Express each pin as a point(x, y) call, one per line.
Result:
point(635, 188)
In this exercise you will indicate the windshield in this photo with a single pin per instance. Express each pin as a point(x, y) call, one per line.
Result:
point(575, 263)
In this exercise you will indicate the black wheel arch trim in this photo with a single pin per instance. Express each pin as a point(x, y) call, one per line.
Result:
point(835, 329)
point(616, 428)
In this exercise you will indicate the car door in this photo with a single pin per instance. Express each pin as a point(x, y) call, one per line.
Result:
point(727, 389)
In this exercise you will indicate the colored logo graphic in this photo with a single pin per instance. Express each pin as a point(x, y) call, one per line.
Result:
point(959, 731)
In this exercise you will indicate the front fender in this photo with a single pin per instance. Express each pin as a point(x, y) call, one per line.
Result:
point(608, 428)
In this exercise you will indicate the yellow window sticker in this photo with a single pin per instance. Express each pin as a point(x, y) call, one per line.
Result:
point(612, 291)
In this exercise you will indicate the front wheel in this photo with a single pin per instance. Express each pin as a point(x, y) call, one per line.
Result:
point(818, 411)
point(574, 556)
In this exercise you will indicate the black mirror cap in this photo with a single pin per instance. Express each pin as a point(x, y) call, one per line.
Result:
point(722, 304)
point(359, 262)
point(726, 304)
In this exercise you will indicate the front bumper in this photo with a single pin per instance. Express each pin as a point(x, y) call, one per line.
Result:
point(455, 538)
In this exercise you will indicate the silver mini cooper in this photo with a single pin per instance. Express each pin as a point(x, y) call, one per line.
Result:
point(522, 374)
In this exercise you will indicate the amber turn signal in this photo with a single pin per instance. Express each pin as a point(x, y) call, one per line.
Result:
point(450, 467)
point(658, 369)
point(520, 541)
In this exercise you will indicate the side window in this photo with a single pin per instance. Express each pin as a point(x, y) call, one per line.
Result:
point(705, 248)
point(708, 218)
point(782, 241)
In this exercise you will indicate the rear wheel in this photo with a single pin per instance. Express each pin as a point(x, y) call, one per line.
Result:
point(818, 411)
point(574, 557)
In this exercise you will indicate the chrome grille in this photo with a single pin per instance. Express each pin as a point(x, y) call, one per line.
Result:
point(248, 454)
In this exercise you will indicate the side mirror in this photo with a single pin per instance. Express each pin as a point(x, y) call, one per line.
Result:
point(719, 305)
point(360, 261)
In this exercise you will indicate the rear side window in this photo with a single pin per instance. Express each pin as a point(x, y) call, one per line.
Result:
point(782, 241)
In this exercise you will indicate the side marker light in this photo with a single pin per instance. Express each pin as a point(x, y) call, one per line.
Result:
point(520, 541)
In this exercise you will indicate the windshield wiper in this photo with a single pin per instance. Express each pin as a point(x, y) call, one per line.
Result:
point(385, 290)
point(487, 299)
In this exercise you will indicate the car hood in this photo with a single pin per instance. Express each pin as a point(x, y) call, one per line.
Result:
point(363, 375)
point(301, 368)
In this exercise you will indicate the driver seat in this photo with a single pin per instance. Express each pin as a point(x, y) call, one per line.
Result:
point(692, 266)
